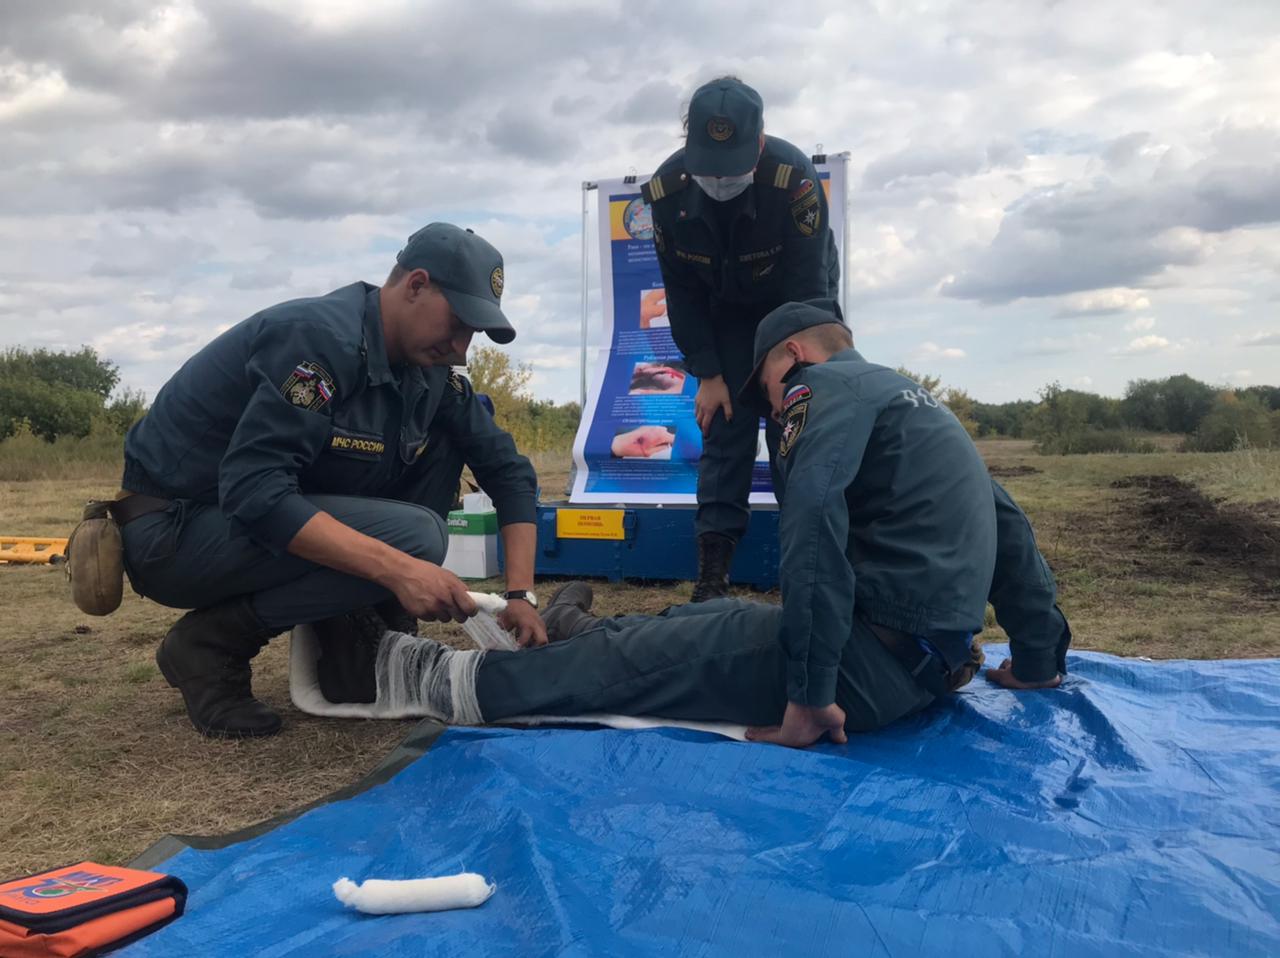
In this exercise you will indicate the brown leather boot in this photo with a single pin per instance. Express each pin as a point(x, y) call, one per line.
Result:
point(206, 656)
point(715, 553)
point(569, 611)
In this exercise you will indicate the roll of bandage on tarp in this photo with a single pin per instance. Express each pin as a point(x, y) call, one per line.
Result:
point(377, 896)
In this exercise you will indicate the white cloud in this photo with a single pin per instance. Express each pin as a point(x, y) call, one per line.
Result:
point(1144, 344)
point(172, 166)
point(927, 351)
point(1083, 382)
point(1262, 339)
point(1104, 302)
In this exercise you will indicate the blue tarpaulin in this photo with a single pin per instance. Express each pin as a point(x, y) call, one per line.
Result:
point(1135, 811)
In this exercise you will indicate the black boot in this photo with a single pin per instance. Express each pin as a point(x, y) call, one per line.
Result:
point(349, 644)
point(569, 611)
point(396, 616)
point(206, 657)
point(715, 553)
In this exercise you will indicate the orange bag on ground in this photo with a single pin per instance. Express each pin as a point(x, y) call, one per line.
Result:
point(84, 909)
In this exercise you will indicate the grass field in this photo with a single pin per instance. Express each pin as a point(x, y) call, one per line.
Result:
point(97, 759)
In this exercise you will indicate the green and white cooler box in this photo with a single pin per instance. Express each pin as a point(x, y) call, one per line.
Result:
point(473, 539)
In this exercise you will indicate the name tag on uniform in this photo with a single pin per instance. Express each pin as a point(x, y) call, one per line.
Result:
point(691, 257)
point(357, 445)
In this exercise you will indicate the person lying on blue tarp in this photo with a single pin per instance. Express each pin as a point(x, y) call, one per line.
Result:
point(893, 537)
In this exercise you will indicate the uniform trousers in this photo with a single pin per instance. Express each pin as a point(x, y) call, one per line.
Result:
point(729, 448)
point(715, 661)
point(187, 556)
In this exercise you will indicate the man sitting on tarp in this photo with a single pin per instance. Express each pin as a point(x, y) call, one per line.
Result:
point(890, 538)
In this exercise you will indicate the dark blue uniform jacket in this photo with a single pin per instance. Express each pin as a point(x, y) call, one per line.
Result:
point(300, 398)
point(889, 512)
point(739, 259)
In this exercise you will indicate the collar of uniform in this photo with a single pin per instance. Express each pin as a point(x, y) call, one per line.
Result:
point(375, 347)
point(695, 204)
point(849, 355)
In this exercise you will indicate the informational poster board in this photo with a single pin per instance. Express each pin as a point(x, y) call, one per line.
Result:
point(638, 441)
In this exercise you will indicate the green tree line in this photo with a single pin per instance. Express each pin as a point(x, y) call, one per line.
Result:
point(54, 394)
point(1212, 419)
point(51, 395)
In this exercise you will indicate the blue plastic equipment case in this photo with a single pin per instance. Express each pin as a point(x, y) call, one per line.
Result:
point(646, 542)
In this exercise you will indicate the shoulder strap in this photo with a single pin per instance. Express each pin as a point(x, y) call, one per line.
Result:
point(664, 185)
point(781, 176)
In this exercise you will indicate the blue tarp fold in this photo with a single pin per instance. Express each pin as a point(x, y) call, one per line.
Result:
point(1135, 811)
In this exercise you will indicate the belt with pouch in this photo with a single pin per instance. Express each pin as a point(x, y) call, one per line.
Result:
point(134, 505)
point(924, 662)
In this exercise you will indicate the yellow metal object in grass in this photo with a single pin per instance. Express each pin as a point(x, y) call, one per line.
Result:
point(38, 550)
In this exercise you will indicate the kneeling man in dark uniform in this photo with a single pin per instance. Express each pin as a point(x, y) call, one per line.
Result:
point(300, 466)
point(891, 542)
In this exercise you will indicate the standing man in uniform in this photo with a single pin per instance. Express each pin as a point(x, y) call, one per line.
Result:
point(298, 467)
point(741, 226)
point(889, 550)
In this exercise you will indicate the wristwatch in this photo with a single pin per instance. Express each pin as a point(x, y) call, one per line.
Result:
point(526, 594)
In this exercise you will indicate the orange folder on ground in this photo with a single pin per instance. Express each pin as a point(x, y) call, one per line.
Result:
point(84, 909)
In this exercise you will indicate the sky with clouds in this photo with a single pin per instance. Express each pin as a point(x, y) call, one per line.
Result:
point(1086, 192)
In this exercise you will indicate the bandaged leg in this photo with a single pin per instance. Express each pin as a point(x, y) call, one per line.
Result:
point(420, 676)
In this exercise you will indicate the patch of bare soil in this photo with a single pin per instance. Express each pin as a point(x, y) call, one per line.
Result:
point(1236, 536)
point(1005, 472)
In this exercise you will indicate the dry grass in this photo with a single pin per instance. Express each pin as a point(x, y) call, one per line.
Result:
point(1246, 475)
point(98, 760)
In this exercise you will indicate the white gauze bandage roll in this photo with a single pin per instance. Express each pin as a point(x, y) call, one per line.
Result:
point(377, 896)
point(483, 628)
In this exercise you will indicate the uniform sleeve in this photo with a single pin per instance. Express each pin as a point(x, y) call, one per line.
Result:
point(282, 430)
point(688, 310)
point(824, 438)
point(808, 264)
point(1024, 596)
point(505, 475)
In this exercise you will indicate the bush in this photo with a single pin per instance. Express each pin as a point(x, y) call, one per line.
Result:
point(1085, 441)
point(50, 410)
point(1235, 422)
point(25, 456)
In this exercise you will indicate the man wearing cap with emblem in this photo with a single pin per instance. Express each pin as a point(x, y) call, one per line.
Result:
point(891, 542)
point(740, 226)
point(297, 470)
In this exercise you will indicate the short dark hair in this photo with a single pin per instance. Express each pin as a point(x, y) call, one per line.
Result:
point(397, 273)
point(831, 338)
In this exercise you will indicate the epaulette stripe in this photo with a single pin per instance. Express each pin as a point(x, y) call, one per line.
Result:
point(656, 190)
point(783, 176)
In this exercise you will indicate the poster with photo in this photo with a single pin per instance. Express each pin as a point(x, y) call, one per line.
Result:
point(639, 441)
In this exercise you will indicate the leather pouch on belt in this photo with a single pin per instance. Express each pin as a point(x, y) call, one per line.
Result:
point(95, 561)
point(84, 909)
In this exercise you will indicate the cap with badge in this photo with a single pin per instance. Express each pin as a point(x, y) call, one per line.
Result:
point(726, 118)
point(468, 271)
point(783, 322)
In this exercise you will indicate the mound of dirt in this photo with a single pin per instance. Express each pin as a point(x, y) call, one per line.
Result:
point(1240, 536)
point(1004, 472)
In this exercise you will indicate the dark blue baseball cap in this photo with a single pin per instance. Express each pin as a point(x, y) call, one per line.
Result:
point(468, 271)
point(726, 118)
point(777, 326)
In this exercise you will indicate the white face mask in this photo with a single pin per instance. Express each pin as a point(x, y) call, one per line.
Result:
point(721, 188)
